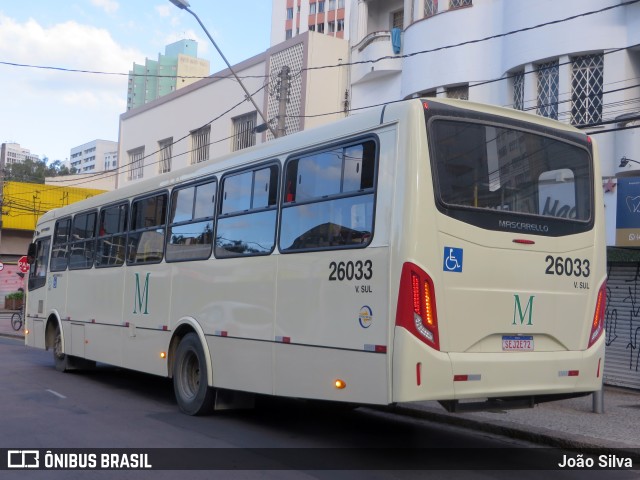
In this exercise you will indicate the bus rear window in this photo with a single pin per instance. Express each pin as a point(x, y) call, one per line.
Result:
point(491, 168)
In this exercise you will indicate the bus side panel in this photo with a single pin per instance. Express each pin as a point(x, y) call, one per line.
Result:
point(309, 372)
point(146, 306)
point(104, 305)
point(233, 300)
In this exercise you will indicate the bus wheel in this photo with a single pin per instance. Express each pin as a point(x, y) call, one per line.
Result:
point(60, 359)
point(190, 377)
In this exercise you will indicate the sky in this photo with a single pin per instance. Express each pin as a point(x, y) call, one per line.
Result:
point(50, 111)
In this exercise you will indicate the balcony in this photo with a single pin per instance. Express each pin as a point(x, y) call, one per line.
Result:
point(375, 51)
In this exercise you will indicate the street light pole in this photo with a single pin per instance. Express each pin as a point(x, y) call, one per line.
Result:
point(184, 5)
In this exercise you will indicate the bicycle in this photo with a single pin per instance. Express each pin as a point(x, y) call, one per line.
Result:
point(16, 320)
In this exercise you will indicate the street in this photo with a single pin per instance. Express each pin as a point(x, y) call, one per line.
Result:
point(113, 408)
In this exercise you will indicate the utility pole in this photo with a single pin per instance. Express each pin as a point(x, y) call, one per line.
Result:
point(283, 99)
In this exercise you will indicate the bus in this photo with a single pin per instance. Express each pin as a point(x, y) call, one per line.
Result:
point(428, 249)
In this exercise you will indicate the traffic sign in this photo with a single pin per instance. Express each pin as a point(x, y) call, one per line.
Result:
point(23, 264)
point(1, 266)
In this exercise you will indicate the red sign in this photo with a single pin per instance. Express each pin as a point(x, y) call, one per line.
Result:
point(23, 264)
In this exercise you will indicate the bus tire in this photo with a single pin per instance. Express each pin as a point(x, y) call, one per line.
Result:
point(60, 359)
point(193, 395)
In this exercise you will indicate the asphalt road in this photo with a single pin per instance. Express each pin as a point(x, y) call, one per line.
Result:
point(113, 408)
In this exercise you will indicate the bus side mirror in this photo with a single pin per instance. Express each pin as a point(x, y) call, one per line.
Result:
point(31, 253)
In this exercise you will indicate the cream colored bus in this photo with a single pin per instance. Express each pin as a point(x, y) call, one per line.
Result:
point(427, 249)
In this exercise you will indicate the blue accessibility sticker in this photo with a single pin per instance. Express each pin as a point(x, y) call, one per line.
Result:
point(452, 259)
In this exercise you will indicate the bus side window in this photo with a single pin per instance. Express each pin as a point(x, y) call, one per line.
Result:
point(38, 270)
point(332, 204)
point(146, 238)
point(60, 251)
point(247, 223)
point(190, 234)
point(82, 245)
point(112, 236)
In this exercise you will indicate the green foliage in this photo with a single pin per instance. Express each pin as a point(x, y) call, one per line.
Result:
point(15, 296)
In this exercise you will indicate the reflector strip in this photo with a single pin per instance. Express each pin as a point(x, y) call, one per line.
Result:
point(220, 333)
point(418, 373)
point(283, 339)
point(598, 374)
point(375, 348)
point(165, 328)
point(569, 373)
point(467, 378)
point(126, 324)
point(523, 241)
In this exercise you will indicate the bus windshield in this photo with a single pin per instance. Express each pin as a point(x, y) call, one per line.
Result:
point(484, 167)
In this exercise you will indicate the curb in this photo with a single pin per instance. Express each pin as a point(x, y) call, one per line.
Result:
point(512, 430)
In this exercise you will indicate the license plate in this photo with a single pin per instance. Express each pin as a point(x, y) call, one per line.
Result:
point(517, 344)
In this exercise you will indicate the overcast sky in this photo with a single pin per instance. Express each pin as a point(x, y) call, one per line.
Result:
point(50, 111)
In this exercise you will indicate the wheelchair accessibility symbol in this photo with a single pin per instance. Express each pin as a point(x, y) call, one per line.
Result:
point(452, 259)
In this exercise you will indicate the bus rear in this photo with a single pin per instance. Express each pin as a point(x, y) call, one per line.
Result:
point(502, 273)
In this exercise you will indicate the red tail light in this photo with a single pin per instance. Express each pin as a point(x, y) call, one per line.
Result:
point(597, 327)
point(417, 305)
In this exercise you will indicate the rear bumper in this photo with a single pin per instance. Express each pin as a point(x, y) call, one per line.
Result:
point(421, 373)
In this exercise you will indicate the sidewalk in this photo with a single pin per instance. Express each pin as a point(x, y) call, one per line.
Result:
point(564, 424)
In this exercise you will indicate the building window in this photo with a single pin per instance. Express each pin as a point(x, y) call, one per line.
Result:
point(460, 3)
point(288, 34)
point(136, 163)
point(243, 134)
point(321, 6)
point(340, 4)
point(312, 9)
point(586, 89)
point(430, 7)
point(290, 13)
point(340, 24)
point(548, 80)
point(165, 148)
point(312, 28)
point(331, 26)
point(332, 5)
point(397, 19)
point(518, 90)
point(461, 92)
point(320, 28)
point(200, 144)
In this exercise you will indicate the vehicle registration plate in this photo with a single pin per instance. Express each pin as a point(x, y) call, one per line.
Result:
point(517, 343)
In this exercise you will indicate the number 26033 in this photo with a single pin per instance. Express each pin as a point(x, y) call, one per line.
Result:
point(351, 270)
point(567, 266)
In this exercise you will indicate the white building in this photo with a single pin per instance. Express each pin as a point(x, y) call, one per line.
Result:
point(577, 61)
point(13, 153)
point(94, 156)
point(211, 118)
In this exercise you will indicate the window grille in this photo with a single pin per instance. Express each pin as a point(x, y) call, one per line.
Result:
point(460, 3)
point(518, 90)
point(430, 7)
point(200, 144)
point(461, 93)
point(548, 78)
point(586, 89)
point(165, 149)
point(397, 19)
point(136, 163)
point(243, 134)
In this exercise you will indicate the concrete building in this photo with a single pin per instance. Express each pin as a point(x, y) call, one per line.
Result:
point(13, 153)
point(94, 156)
point(290, 18)
point(176, 69)
point(211, 118)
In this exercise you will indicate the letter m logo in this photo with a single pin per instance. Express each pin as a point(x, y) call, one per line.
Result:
point(141, 297)
point(519, 314)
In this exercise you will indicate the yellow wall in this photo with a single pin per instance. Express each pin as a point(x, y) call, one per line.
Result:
point(24, 203)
